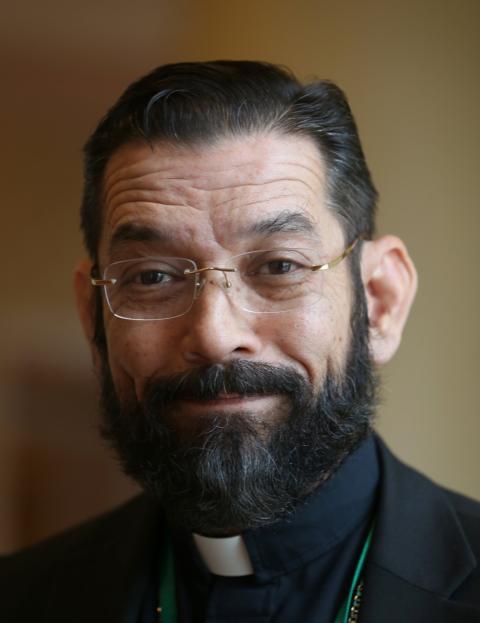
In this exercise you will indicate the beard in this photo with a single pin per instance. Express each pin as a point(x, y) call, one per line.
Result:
point(227, 472)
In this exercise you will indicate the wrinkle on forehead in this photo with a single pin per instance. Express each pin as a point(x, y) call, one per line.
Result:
point(156, 182)
point(208, 161)
point(142, 183)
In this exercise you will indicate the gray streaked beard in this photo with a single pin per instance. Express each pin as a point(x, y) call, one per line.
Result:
point(235, 471)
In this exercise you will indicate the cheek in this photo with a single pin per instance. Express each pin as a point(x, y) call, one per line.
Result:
point(136, 351)
point(315, 339)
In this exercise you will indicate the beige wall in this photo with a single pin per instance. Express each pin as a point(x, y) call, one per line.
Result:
point(411, 72)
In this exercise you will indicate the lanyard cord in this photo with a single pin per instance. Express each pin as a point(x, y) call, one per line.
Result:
point(167, 609)
point(167, 602)
point(351, 602)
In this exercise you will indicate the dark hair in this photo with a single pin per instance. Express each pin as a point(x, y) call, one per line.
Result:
point(192, 103)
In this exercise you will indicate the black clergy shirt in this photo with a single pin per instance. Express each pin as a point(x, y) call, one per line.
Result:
point(303, 566)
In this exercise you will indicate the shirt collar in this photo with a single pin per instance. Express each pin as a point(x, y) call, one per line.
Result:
point(225, 556)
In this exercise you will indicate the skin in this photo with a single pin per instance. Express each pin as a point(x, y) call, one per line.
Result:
point(205, 198)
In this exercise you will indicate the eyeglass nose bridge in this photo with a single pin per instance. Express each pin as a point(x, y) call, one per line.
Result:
point(200, 276)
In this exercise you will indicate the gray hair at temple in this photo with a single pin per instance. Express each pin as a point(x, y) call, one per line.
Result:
point(199, 103)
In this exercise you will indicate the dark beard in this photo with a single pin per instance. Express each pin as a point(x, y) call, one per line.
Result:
point(235, 471)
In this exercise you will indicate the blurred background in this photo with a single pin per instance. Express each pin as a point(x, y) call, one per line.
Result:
point(411, 72)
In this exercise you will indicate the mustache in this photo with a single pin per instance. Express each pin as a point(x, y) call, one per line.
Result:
point(242, 377)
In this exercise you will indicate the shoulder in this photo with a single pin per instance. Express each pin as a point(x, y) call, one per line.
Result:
point(466, 507)
point(429, 536)
point(409, 491)
point(100, 529)
point(422, 489)
point(467, 512)
point(29, 577)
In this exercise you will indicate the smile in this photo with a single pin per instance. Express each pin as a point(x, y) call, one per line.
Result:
point(227, 401)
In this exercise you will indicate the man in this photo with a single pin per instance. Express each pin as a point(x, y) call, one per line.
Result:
point(237, 308)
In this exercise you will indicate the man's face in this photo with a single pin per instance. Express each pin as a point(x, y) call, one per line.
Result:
point(223, 458)
point(204, 203)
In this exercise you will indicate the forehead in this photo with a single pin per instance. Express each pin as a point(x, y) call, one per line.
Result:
point(218, 192)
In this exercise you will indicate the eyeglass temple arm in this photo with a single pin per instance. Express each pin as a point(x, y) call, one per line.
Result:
point(102, 282)
point(338, 259)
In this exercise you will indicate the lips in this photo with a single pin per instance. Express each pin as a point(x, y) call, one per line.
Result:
point(221, 398)
point(224, 396)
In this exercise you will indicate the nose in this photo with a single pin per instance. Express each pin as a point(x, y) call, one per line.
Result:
point(216, 330)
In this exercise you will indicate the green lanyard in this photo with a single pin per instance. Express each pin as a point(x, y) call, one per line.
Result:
point(167, 611)
point(344, 614)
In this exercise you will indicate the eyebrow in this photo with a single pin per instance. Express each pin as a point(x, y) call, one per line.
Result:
point(285, 221)
point(129, 232)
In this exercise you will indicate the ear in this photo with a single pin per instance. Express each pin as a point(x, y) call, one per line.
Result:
point(390, 282)
point(84, 294)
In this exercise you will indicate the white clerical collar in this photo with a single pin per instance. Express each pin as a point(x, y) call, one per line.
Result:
point(224, 556)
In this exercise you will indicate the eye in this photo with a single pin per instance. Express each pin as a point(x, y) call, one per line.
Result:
point(278, 267)
point(152, 277)
point(148, 274)
point(281, 262)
